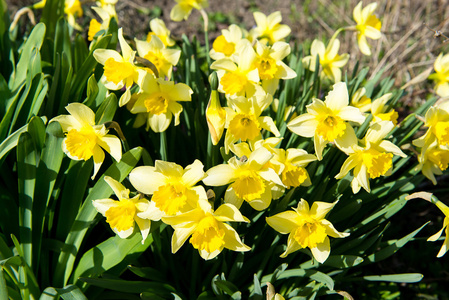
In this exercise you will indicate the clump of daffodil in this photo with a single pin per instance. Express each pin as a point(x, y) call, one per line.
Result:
point(368, 25)
point(121, 215)
point(157, 102)
point(162, 58)
point(330, 60)
point(268, 29)
point(250, 179)
point(373, 159)
point(183, 8)
point(381, 111)
point(307, 228)
point(215, 114)
point(270, 65)
point(328, 121)
point(433, 160)
point(441, 75)
point(119, 69)
point(84, 139)
point(159, 29)
point(239, 78)
point(95, 26)
point(226, 44)
point(244, 121)
point(361, 101)
point(207, 229)
point(173, 188)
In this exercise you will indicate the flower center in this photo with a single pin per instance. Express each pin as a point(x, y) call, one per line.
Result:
point(442, 132)
point(223, 46)
point(117, 71)
point(440, 158)
point(80, 144)
point(156, 103)
point(330, 127)
point(310, 233)
point(244, 127)
point(293, 176)
point(208, 235)
point(267, 67)
point(233, 83)
point(94, 27)
point(378, 163)
point(121, 216)
point(170, 198)
point(249, 185)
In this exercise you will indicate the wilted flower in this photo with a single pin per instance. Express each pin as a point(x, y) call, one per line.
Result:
point(307, 228)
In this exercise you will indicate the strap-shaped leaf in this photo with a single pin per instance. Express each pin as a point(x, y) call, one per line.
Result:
point(406, 277)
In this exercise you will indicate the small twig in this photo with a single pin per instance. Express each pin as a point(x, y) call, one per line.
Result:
point(19, 13)
point(437, 33)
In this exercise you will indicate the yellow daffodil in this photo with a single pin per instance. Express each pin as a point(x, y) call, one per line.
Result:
point(307, 228)
point(381, 111)
point(437, 120)
point(84, 139)
point(327, 121)
point(433, 160)
point(361, 101)
point(183, 8)
point(268, 29)
point(162, 58)
point(368, 25)
point(119, 70)
point(441, 75)
point(294, 161)
point(73, 10)
point(243, 120)
point(270, 65)
point(330, 60)
point(239, 79)
point(173, 188)
point(158, 101)
point(208, 230)
point(159, 29)
point(443, 207)
point(95, 26)
point(372, 160)
point(249, 179)
point(215, 114)
point(226, 44)
point(122, 214)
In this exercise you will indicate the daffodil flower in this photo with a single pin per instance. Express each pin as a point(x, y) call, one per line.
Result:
point(372, 160)
point(433, 160)
point(307, 228)
point(158, 101)
point(437, 120)
point(84, 139)
point(249, 179)
point(295, 161)
point(173, 188)
point(183, 8)
point(227, 44)
point(268, 29)
point(95, 26)
point(207, 229)
point(73, 10)
point(241, 79)
point(368, 25)
point(443, 207)
point(441, 75)
point(121, 215)
point(327, 121)
point(381, 111)
point(159, 29)
point(270, 65)
point(244, 121)
point(330, 60)
point(215, 114)
point(361, 101)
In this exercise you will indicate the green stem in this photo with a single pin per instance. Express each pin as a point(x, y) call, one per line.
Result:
point(163, 146)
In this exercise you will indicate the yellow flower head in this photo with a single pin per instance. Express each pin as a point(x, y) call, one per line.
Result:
point(361, 101)
point(330, 60)
point(243, 120)
point(158, 101)
point(437, 120)
point(295, 161)
point(307, 228)
point(381, 112)
point(84, 139)
point(373, 160)
point(183, 8)
point(268, 29)
point(227, 44)
point(443, 207)
point(327, 121)
point(208, 230)
point(433, 160)
point(368, 25)
point(124, 213)
point(173, 188)
point(73, 10)
point(159, 29)
point(441, 75)
point(250, 179)
point(96, 26)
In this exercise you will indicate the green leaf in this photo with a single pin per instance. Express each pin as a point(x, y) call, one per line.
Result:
point(87, 213)
point(343, 261)
point(92, 91)
point(131, 286)
point(402, 278)
point(52, 12)
point(3, 287)
point(148, 273)
point(107, 109)
point(69, 292)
